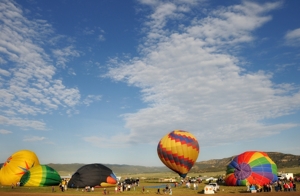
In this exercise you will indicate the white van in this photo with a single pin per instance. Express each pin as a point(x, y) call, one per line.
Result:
point(287, 176)
point(209, 189)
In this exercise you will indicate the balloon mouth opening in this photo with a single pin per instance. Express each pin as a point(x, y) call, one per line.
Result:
point(182, 175)
point(112, 179)
point(243, 171)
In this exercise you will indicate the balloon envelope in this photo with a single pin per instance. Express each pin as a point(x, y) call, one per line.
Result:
point(178, 150)
point(251, 167)
point(17, 165)
point(93, 175)
point(41, 175)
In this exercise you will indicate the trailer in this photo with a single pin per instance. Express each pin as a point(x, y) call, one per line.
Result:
point(288, 176)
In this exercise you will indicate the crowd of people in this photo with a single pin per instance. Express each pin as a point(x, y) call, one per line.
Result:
point(280, 185)
point(63, 185)
point(285, 185)
point(166, 190)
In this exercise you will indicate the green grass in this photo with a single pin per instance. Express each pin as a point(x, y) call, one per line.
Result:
point(138, 190)
point(182, 190)
point(147, 179)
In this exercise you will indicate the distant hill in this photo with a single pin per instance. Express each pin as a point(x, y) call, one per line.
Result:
point(282, 160)
point(117, 168)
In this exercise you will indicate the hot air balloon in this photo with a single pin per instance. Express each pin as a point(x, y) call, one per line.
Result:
point(40, 175)
point(251, 167)
point(17, 165)
point(93, 175)
point(178, 150)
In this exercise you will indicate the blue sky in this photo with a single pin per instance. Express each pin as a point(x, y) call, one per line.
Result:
point(104, 81)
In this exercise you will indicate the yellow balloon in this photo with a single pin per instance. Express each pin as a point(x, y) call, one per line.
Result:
point(178, 150)
point(17, 165)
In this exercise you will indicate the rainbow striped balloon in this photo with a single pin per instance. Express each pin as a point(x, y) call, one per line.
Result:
point(251, 167)
point(178, 150)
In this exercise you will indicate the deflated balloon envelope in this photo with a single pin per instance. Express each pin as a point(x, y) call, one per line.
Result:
point(178, 150)
point(17, 165)
point(251, 167)
point(41, 175)
point(94, 175)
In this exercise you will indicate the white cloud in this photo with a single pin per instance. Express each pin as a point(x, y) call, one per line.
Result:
point(192, 81)
point(4, 72)
point(292, 38)
point(91, 98)
point(88, 31)
point(4, 132)
point(63, 55)
point(101, 38)
point(33, 139)
point(29, 87)
point(24, 123)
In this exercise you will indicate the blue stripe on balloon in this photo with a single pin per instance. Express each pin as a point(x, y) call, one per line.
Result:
point(262, 168)
point(233, 164)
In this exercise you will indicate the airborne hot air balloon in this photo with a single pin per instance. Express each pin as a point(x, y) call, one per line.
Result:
point(41, 175)
point(178, 150)
point(17, 165)
point(93, 175)
point(251, 167)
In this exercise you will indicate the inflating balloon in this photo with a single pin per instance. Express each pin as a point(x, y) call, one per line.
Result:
point(17, 165)
point(93, 175)
point(40, 175)
point(178, 150)
point(251, 167)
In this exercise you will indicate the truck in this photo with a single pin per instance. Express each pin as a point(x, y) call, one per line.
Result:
point(287, 176)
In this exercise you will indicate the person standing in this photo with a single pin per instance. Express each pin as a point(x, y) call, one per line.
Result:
point(291, 186)
point(158, 191)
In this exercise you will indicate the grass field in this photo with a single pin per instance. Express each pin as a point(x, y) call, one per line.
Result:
point(179, 191)
point(147, 180)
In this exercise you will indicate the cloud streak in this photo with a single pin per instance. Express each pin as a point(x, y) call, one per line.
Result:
point(28, 85)
point(292, 38)
point(4, 132)
point(193, 78)
point(33, 139)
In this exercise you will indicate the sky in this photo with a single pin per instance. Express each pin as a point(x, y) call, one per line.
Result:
point(103, 81)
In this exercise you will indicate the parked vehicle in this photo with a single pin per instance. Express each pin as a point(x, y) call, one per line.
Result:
point(211, 179)
point(287, 176)
point(215, 185)
point(209, 189)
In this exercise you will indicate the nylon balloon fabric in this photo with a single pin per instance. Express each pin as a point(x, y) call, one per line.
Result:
point(178, 150)
point(94, 175)
point(41, 175)
point(251, 167)
point(16, 165)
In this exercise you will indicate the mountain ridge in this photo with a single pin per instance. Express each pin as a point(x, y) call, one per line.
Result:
point(282, 160)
